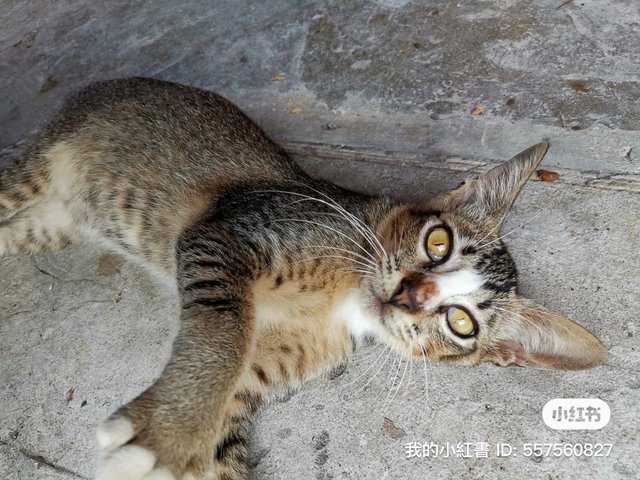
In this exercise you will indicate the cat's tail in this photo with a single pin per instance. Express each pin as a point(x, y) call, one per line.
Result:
point(22, 183)
point(32, 218)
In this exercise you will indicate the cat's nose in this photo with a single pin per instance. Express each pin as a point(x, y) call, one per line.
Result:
point(412, 293)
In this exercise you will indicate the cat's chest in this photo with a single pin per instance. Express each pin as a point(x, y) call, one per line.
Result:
point(322, 306)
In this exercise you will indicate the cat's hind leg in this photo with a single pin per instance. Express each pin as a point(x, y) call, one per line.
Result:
point(47, 225)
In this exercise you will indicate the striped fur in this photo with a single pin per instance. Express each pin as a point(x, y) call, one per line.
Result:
point(280, 276)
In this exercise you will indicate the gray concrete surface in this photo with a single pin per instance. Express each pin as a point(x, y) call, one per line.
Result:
point(376, 96)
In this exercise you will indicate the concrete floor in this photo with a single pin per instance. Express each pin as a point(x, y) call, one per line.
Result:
point(377, 96)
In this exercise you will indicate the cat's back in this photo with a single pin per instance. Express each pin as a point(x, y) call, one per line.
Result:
point(143, 125)
point(135, 162)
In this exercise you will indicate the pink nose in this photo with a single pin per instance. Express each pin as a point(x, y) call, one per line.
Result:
point(413, 292)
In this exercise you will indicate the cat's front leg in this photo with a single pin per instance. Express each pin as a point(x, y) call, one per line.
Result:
point(171, 431)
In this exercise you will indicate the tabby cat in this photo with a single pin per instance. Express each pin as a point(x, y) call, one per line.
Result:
point(280, 276)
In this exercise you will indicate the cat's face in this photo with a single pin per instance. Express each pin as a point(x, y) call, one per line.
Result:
point(446, 285)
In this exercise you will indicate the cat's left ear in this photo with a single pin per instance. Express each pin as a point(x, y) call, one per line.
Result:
point(535, 337)
point(489, 197)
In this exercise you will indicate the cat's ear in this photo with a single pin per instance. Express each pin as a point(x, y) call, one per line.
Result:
point(535, 337)
point(489, 196)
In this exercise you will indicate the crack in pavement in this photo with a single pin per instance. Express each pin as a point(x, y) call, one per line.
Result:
point(40, 460)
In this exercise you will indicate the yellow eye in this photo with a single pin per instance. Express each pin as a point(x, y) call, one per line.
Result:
point(438, 243)
point(460, 322)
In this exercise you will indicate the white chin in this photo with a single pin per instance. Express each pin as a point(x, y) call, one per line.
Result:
point(361, 319)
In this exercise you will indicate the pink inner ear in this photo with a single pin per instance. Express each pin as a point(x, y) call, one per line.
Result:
point(512, 352)
point(464, 193)
point(507, 352)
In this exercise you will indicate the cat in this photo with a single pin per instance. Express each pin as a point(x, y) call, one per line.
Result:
point(280, 276)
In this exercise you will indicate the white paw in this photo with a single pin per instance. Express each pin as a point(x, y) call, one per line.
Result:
point(119, 460)
point(114, 433)
point(125, 462)
point(160, 474)
point(129, 462)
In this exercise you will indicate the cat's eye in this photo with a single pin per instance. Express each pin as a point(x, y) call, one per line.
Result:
point(438, 244)
point(460, 322)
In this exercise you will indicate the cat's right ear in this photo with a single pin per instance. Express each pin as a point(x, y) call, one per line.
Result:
point(488, 197)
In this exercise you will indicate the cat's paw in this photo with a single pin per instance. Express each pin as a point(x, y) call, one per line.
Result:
point(122, 456)
point(119, 460)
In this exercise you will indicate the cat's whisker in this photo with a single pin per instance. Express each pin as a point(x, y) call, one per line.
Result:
point(322, 225)
point(363, 273)
point(410, 369)
point(394, 379)
point(521, 317)
point(363, 228)
point(426, 377)
point(366, 234)
point(495, 227)
point(355, 269)
point(366, 352)
point(387, 349)
point(345, 250)
point(361, 360)
point(365, 359)
point(546, 313)
point(395, 237)
point(400, 384)
point(364, 265)
point(511, 231)
point(505, 301)
point(508, 302)
point(375, 374)
point(397, 253)
point(356, 219)
point(490, 232)
point(387, 403)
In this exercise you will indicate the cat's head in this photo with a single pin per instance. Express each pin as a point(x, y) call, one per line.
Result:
point(447, 285)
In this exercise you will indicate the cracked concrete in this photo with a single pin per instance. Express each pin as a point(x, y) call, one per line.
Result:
point(376, 96)
point(22, 461)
